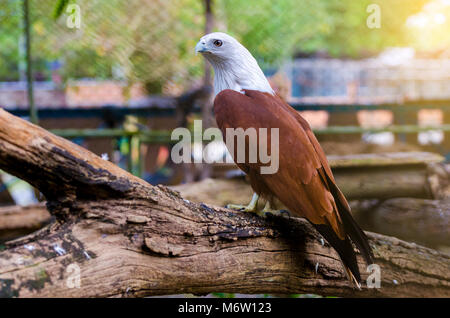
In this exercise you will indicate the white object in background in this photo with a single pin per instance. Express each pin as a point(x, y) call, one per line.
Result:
point(431, 137)
point(21, 192)
point(382, 138)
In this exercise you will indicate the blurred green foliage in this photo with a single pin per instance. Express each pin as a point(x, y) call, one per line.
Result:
point(223, 295)
point(152, 41)
point(10, 36)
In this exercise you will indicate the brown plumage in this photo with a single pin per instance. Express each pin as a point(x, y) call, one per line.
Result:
point(304, 182)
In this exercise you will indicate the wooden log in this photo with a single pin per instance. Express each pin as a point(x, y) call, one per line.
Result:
point(389, 175)
point(439, 179)
point(380, 183)
point(218, 192)
point(123, 237)
point(360, 176)
point(446, 141)
point(417, 220)
point(17, 221)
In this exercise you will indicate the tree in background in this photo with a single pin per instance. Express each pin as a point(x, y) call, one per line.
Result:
point(145, 40)
point(10, 40)
point(152, 41)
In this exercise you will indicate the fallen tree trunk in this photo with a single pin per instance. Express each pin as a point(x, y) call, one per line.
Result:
point(17, 221)
point(417, 220)
point(116, 235)
point(389, 175)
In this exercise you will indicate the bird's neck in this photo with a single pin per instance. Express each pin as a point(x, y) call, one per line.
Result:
point(239, 77)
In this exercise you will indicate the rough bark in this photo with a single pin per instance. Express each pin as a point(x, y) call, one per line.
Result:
point(132, 239)
point(420, 220)
point(219, 192)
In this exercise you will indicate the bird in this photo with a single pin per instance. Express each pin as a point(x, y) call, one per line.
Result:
point(303, 182)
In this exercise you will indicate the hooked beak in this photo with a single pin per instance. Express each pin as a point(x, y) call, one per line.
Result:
point(201, 47)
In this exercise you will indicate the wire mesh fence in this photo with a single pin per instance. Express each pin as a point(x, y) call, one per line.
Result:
point(110, 52)
point(93, 53)
point(97, 53)
point(147, 42)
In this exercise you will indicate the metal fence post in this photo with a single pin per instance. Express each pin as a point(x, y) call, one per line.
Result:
point(446, 142)
point(135, 155)
point(32, 108)
point(406, 118)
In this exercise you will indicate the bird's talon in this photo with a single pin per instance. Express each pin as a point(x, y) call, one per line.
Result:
point(278, 213)
point(251, 207)
point(263, 214)
point(240, 208)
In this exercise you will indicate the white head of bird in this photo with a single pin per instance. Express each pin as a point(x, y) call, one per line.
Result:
point(234, 66)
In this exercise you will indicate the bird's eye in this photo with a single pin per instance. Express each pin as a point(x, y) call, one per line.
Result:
point(218, 43)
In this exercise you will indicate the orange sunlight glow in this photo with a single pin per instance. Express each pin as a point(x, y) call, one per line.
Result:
point(429, 29)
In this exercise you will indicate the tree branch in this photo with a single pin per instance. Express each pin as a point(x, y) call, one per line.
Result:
point(133, 239)
point(420, 220)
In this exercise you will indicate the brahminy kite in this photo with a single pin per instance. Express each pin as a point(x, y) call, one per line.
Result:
point(303, 182)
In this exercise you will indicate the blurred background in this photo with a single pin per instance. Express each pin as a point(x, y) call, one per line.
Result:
point(371, 77)
point(118, 76)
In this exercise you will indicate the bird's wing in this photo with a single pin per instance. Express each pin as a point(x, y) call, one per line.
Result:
point(325, 169)
point(351, 228)
point(304, 182)
point(300, 181)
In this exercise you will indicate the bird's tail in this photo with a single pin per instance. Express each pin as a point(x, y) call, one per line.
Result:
point(356, 234)
point(344, 248)
point(353, 231)
point(351, 228)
